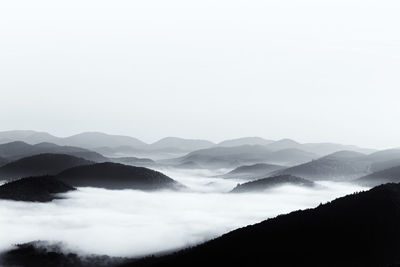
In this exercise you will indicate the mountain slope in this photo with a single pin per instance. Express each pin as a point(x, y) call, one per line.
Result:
point(42, 164)
point(391, 175)
point(356, 230)
point(339, 166)
point(251, 172)
point(97, 139)
point(37, 189)
point(232, 157)
point(116, 176)
point(268, 183)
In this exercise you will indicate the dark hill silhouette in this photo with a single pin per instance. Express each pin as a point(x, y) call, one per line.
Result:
point(17, 150)
point(42, 164)
point(37, 189)
point(44, 254)
point(391, 175)
point(252, 172)
point(268, 183)
point(117, 176)
point(339, 166)
point(357, 230)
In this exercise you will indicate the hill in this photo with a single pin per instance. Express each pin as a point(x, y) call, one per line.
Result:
point(96, 139)
point(42, 164)
point(339, 166)
point(17, 150)
point(3, 161)
point(391, 175)
point(245, 141)
point(252, 172)
point(233, 157)
point(35, 189)
point(117, 176)
point(268, 183)
point(356, 230)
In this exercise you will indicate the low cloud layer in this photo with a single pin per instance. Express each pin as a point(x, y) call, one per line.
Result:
point(133, 223)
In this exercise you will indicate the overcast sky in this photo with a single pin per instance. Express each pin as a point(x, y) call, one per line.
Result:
point(309, 70)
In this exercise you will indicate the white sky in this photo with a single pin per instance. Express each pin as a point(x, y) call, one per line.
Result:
point(309, 70)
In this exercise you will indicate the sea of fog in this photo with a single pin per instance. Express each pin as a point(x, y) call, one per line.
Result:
point(134, 223)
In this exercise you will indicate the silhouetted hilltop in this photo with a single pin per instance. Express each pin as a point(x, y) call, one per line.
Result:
point(252, 172)
point(42, 164)
point(17, 150)
point(38, 189)
point(391, 175)
point(116, 176)
point(44, 254)
point(357, 230)
point(268, 183)
point(339, 166)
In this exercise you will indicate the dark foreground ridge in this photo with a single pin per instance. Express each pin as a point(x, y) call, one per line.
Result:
point(43, 254)
point(117, 176)
point(357, 230)
point(35, 189)
point(43, 164)
point(268, 183)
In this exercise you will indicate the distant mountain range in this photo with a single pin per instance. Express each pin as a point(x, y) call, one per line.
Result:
point(35, 189)
point(118, 145)
point(356, 230)
point(232, 157)
point(271, 182)
point(391, 175)
point(17, 150)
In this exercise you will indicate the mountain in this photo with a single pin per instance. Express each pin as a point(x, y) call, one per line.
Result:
point(284, 144)
point(45, 254)
point(37, 189)
point(233, 157)
point(3, 161)
point(30, 137)
point(245, 141)
point(391, 175)
point(252, 172)
point(357, 230)
point(17, 150)
point(181, 144)
point(324, 149)
point(42, 164)
point(97, 139)
point(117, 176)
point(339, 166)
point(268, 183)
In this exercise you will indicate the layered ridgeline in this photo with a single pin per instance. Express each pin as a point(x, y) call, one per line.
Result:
point(42, 164)
point(3, 161)
point(17, 150)
point(37, 189)
point(356, 230)
point(232, 157)
point(117, 176)
point(271, 182)
point(344, 165)
point(252, 172)
point(391, 175)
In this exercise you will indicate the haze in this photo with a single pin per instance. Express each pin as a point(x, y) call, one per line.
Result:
point(216, 70)
point(95, 220)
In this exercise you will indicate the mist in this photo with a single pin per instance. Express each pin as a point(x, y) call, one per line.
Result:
point(133, 223)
